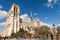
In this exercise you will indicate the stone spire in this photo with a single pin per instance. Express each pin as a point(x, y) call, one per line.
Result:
point(31, 16)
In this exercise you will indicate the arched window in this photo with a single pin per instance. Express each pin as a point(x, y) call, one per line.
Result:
point(15, 10)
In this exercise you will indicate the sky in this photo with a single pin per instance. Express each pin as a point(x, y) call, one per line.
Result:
point(48, 11)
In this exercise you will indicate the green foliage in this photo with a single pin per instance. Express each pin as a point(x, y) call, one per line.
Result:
point(22, 32)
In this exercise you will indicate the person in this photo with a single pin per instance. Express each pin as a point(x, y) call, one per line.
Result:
point(51, 36)
point(47, 36)
point(4, 38)
point(57, 37)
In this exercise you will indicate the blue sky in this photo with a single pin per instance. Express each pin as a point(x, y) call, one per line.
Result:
point(48, 11)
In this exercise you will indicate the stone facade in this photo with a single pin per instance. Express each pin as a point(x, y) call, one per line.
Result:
point(29, 26)
point(12, 22)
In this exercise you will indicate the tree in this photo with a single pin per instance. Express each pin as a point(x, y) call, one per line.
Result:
point(22, 32)
point(58, 29)
point(42, 30)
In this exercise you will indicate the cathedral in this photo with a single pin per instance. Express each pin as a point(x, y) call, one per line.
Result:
point(14, 22)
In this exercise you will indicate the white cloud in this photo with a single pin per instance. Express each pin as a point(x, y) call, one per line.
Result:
point(51, 3)
point(58, 25)
point(3, 14)
point(2, 24)
point(47, 24)
point(25, 17)
point(35, 14)
point(46, 17)
point(55, 1)
point(0, 6)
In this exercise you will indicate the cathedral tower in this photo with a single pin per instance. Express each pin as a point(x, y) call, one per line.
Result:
point(13, 18)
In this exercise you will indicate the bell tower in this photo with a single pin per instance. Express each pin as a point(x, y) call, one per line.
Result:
point(16, 20)
point(13, 18)
point(12, 21)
